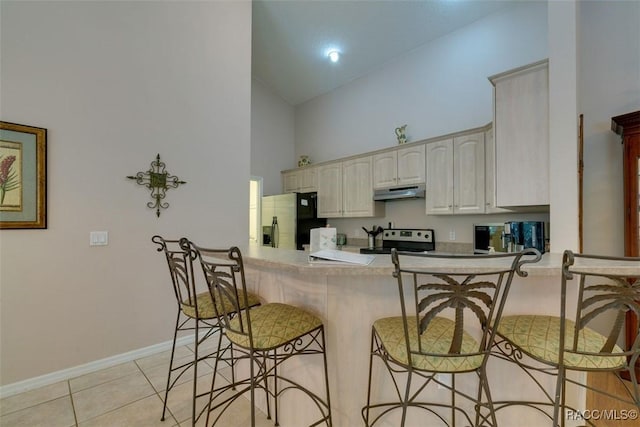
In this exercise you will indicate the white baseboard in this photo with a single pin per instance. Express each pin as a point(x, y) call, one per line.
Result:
point(87, 368)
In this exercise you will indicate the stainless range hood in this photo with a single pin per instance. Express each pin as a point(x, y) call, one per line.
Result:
point(397, 193)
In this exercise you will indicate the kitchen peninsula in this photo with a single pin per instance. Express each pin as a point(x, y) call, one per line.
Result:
point(349, 298)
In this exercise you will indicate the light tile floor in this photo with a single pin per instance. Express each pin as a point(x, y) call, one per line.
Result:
point(130, 394)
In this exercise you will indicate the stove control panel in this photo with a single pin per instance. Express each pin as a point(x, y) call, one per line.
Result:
point(408, 235)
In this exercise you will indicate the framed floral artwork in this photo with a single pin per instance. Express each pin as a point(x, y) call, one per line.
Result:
point(23, 176)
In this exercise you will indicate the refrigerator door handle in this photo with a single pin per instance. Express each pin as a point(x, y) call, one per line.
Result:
point(273, 242)
point(275, 233)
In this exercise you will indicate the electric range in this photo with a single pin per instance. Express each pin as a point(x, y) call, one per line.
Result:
point(404, 239)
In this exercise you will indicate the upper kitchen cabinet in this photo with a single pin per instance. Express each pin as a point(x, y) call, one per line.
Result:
point(290, 181)
point(521, 126)
point(357, 189)
point(345, 189)
point(456, 175)
point(440, 177)
point(330, 190)
point(468, 178)
point(403, 166)
point(303, 180)
point(490, 174)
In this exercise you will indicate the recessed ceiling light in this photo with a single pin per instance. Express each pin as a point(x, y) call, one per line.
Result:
point(333, 55)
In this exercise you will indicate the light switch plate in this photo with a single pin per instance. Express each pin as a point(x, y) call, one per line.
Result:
point(98, 238)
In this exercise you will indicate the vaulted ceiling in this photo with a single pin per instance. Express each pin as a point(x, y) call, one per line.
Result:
point(291, 38)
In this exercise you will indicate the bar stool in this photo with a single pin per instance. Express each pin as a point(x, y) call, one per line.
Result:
point(265, 336)
point(533, 342)
point(433, 336)
point(196, 312)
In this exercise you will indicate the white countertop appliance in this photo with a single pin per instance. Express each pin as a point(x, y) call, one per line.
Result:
point(404, 239)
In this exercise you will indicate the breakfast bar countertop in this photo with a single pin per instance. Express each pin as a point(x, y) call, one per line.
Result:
point(297, 262)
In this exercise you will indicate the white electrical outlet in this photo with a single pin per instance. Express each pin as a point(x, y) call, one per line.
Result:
point(452, 234)
point(98, 238)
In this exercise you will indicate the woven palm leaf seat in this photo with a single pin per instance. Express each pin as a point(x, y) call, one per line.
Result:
point(450, 307)
point(532, 342)
point(265, 337)
point(197, 314)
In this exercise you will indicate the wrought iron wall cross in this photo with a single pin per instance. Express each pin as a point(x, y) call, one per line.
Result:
point(158, 181)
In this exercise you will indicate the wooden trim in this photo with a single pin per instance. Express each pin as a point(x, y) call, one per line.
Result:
point(522, 70)
point(580, 182)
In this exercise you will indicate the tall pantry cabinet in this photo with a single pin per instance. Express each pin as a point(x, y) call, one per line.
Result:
point(521, 131)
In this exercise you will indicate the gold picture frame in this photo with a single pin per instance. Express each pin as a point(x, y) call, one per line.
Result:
point(23, 176)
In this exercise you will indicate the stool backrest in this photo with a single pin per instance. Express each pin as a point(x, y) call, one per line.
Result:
point(224, 272)
point(180, 262)
point(602, 294)
point(450, 286)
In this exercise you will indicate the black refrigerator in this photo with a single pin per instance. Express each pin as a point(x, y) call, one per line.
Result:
point(287, 219)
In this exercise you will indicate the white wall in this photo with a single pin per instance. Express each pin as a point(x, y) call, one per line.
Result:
point(115, 83)
point(436, 89)
point(563, 117)
point(272, 137)
point(609, 85)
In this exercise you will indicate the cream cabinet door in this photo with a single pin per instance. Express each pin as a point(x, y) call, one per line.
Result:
point(521, 125)
point(411, 169)
point(490, 174)
point(290, 182)
point(439, 158)
point(357, 187)
point(468, 169)
point(330, 190)
point(308, 177)
point(385, 169)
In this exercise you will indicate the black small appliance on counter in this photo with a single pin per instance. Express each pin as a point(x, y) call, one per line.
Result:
point(521, 235)
point(511, 236)
point(409, 240)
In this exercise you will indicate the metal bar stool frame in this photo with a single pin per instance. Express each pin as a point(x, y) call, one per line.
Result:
point(224, 271)
point(436, 288)
point(191, 317)
point(598, 292)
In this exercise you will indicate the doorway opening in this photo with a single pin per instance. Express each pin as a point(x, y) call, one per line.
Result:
point(255, 209)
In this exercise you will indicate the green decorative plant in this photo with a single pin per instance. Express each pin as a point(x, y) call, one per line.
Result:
point(8, 176)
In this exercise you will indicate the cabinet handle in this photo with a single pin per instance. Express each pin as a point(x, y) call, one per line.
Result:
point(449, 206)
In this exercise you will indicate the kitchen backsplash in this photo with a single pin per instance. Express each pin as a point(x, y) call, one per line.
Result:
point(453, 233)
